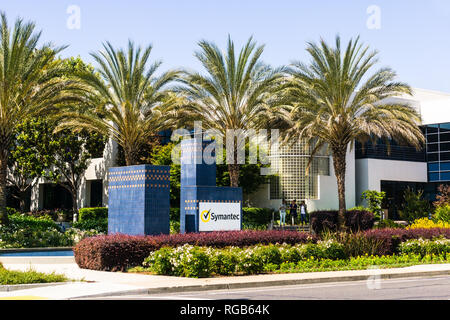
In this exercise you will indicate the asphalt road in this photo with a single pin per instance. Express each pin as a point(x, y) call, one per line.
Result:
point(430, 288)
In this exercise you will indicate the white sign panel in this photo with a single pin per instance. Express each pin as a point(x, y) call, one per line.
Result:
point(219, 216)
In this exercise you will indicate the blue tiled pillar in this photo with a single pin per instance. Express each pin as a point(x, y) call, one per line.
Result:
point(198, 183)
point(139, 200)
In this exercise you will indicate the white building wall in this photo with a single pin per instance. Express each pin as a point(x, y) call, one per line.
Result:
point(97, 170)
point(261, 198)
point(370, 173)
point(328, 193)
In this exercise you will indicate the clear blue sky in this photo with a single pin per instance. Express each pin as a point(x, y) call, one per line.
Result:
point(414, 38)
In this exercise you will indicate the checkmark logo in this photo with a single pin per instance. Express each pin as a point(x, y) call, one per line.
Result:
point(205, 215)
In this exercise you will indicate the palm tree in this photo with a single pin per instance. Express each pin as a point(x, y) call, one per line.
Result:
point(31, 83)
point(336, 102)
point(235, 94)
point(125, 100)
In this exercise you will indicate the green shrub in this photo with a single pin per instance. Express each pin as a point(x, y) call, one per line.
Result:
point(290, 253)
point(196, 263)
point(161, 261)
point(442, 213)
point(100, 225)
point(425, 247)
point(414, 206)
point(28, 232)
point(76, 235)
point(387, 223)
point(332, 250)
point(174, 227)
point(250, 261)
point(85, 214)
point(223, 262)
point(311, 250)
point(174, 214)
point(358, 244)
point(270, 254)
point(374, 200)
point(185, 261)
point(256, 217)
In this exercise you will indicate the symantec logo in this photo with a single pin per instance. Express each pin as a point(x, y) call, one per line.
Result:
point(207, 215)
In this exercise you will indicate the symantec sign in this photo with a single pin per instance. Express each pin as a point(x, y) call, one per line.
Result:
point(215, 216)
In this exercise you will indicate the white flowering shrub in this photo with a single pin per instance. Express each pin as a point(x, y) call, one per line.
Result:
point(424, 247)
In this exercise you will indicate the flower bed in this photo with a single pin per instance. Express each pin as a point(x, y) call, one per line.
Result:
point(119, 252)
point(198, 262)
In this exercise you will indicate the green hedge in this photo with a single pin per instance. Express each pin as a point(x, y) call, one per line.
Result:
point(28, 232)
point(92, 214)
point(256, 216)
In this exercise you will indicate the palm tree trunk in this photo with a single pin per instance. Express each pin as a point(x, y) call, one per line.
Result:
point(339, 163)
point(131, 157)
point(3, 175)
point(233, 170)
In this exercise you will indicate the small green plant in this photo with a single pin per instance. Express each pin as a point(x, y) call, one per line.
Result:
point(442, 213)
point(374, 200)
point(387, 223)
point(414, 206)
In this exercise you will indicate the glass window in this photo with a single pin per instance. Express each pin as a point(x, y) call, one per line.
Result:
point(433, 147)
point(433, 157)
point(432, 138)
point(445, 166)
point(445, 127)
point(445, 146)
point(433, 176)
point(445, 136)
point(445, 176)
point(445, 156)
point(433, 167)
point(432, 128)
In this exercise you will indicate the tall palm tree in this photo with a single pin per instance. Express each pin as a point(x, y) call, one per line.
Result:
point(337, 102)
point(124, 99)
point(31, 83)
point(236, 93)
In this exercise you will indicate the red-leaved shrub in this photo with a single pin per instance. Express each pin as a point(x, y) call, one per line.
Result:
point(355, 220)
point(391, 238)
point(118, 252)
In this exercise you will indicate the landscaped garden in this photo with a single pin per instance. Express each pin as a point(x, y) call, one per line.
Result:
point(58, 114)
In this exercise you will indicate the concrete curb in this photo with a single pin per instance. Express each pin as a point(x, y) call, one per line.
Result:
point(267, 283)
point(15, 287)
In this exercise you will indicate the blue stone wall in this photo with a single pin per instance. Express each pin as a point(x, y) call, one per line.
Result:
point(139, 200)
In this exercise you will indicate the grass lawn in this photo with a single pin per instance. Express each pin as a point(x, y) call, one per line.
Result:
point(9, 277)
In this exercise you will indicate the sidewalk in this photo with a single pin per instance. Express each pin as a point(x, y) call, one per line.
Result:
point(103, 284)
